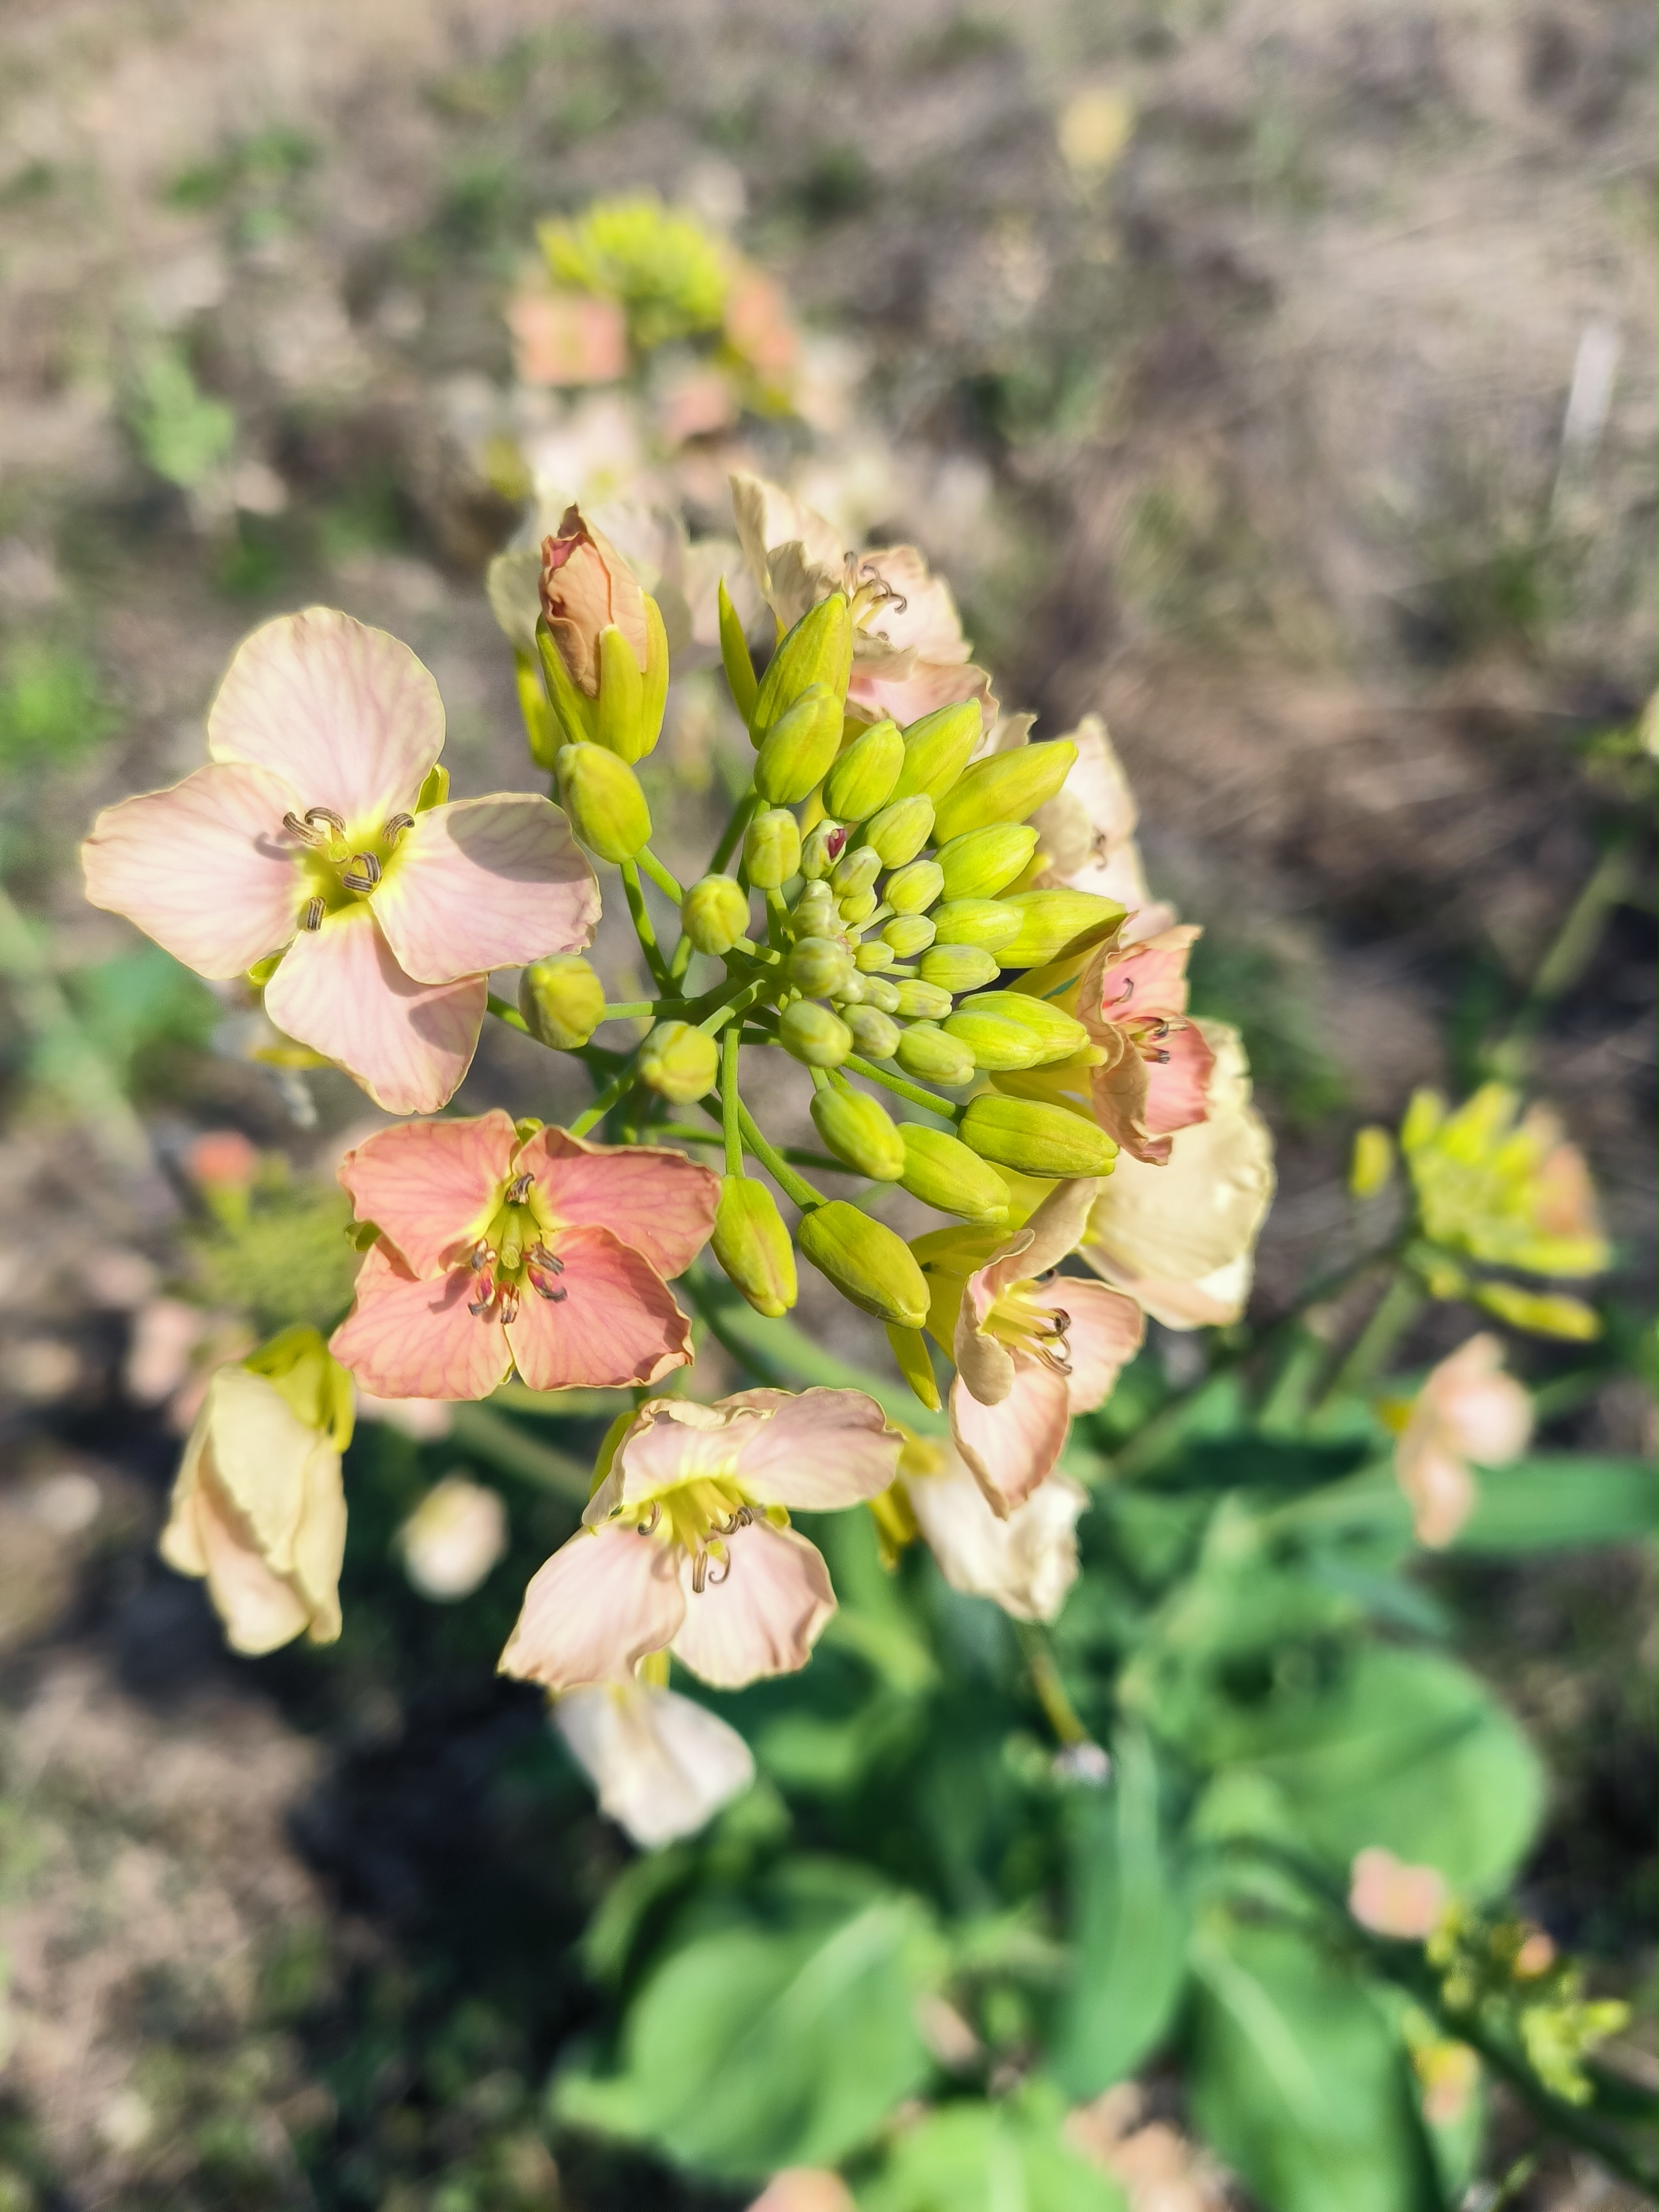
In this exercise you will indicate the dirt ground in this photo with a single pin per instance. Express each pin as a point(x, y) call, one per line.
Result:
point(1275, 377)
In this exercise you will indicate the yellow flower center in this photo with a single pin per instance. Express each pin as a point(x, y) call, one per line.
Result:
point(1025, 1320)
point(697, 1516)
point(514, 1251)
point(338, 868)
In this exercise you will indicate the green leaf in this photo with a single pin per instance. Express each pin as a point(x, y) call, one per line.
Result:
point(755, 2047)
point(1131, 1922)
point(1407, 1750)
point(1297, 2079)
point(1561, 1499)
point(976, 2157)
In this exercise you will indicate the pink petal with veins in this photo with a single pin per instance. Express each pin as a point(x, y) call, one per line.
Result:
point(408, 1338)
point(1177, 1089)
point(1103, 1333)
point(340, 990)
point(344, 714)
point(764, 1618)
point(660, 1202)
point(1013, 1445)
point(595, 1609)
point(430, 1186)
point(617, 1325)
point(206, 869)
point(819, 1451)
point(487, 883)
point(1147, 981)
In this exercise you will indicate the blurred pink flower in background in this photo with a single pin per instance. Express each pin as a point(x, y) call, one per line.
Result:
point(1468, 1411)
point(567, 338)
point(452, 1539)
point(1391, 1897)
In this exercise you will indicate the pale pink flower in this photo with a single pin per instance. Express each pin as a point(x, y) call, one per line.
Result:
point(687, 1545)
point(452, 1539)
point(805, 2189)
point(663, 1765)
point(1032, 1347)
point(1087, 835)
point(1391, 1897)
point(567, 337)
point(1132, 1001)
point(1025, 1561)
point(305, 838)
point(545, 1253)
point(1468, 1410)
point(221, 1159)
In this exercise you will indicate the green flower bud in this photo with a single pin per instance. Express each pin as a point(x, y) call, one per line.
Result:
point(908, 934)
point(860, 1131)
point(814, 912)
point(1007, 788)
point(899, 831)
point(1055, 922)
point(1036, 1139)
point(868, 1263)
point(881, 994)
point(875, 1035)
point(820, 850)
point(857, 906)
point(817, 651)
point(927, 1052)
point(602, 796)
point(753, 1246)
point(850, 991)
point(942, 1172)
point(923, 1002)
point(914, 888)
point(990, 922)
point(958, 967)
point(863, 776)
point(996, 1042)
point(1058, 1034)
point(715, 914)
point(856, 870)
point(813, 1034)
point(937, 748)
point(563, 1001)
point(734, 653)
point(679, 1062)
point(618, 725)
point(984, 861)
point(771, 848)
point(818, 965)
point(798, 747)
point(870, 959)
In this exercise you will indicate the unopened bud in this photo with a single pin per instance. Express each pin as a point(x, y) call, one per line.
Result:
point(715, 914)
point(927, 1052)
point(679, 1062)
point(871, 957)
point(856, 870)
point(771, 848)
point(817, 966)
point(914, 888)
point(1007, 788)
point(863, 776)
point(752, 1244)
point(1058, 1034)
point(860, 1131)
point(817, 651)
point(989, 922)
point(850, 991)
point(958, 967)
point(868, 1263)
point(857, 908)
point(996, 1042)
point(902, 829)
point(985, 861)
point(814, 912)
point(821, 849)
point(923, 1002)
point(875, 1035)
point(563, 1001)
point(908, 934)
point(944, 1172)
point(1053, 922)
point(881, 993)
point(798, 747)
point(937, 748)
point(602, 796)
point(1034, 1139)
point(1371, 1168)
point(813, 1034)
point(734, 654)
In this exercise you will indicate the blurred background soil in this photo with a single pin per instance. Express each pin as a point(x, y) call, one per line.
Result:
point(1276, 378)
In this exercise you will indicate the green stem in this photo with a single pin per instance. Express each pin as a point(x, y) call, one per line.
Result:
point(731, 1127)
point(493, 1438)
point(1062, 1714)
point(731, 835)
point(505, 1010)
point(1571, 952)
point(733, 1007)
point(639, 914)
point(619, 1084)
point(660, 876)
point(633, 1009)
point(792, 1186)
point(1393, 1315)
point(913, 1091)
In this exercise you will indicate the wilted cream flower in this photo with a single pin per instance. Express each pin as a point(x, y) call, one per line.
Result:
point(1468, 1410)
point(452, 1539)
point(1086, 835)
point(1180, 1238)
point(1026, 1564)
point(662, 1763)
point(258, 1507)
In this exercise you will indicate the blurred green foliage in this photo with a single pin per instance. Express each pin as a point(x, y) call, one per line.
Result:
point(278, 1250)
point(52, 707)
point(184, 436)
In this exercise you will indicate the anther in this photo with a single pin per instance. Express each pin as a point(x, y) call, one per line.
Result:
point(302, 831)
point(364, 872)
point(647, 1527)
point(482, 1257)
point(396, 827)
point(518, 1189)
point(725, 1565)
point(312, 917)
point(540, 1257)
point(699, 1573)
point(316, 814)
point(1161, 1058)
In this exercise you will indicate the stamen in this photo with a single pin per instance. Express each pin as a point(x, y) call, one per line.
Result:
point(396, 827)
point(648, 1528)
point(545, 1290)
point(316, 814)
point(725, 1563)
point(540, 1257)
point(507, 1293)
point(302, 831)
point(1160, 1059)
point(518, 1189)
point(699, 1573)
point(740, 1519)
point(312, 914)
point(481, 1306)
point(482, 1257)
point(364, 872)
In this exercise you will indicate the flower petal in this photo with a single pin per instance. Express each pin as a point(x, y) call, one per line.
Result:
point(764, 1618)
point(260, 1610)
point(487, 883)
point(430, 1186)
point(340, 990)
point(1012, 1446)
point(1103, 1333)
point(345, 715)
point(657, 1201)
point(204, 869)
point(616, 1324)
point(405, 1338)
point(818, 1451)
point(1026, 1564)
point(670, 1440)
point(663, 1765)
point(594, 1610)
point(930, 684)
point(1177, 1084)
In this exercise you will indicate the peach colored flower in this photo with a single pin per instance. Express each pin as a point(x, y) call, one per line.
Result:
point(452, 1539)
point(1468, 1410)
point(1025, 1562)
point(567, 338)
point(586, 588)
point(663, 1765)
point(545, 1253)
point(805, 2189)
point(304, 838)
point(687, 1545)
point(1031, 1347)
point(1391, 1897)
point(758, 328)
point(221, 1159)
point(1132, 1001)
point(1086, 835)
